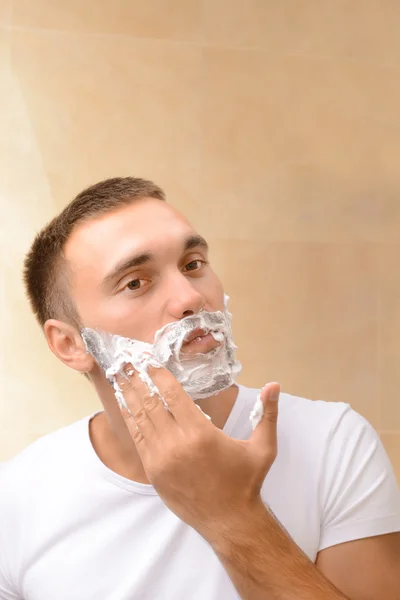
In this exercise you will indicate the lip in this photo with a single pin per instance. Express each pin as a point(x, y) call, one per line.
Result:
point(199, 345)
point(197, 333)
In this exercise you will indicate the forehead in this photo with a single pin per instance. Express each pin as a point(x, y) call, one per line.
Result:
point(147, 225)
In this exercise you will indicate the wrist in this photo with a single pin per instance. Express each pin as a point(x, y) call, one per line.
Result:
point(238, 529)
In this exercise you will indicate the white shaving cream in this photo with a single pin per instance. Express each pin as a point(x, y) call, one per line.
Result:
point(257, 412)
point(201, 375)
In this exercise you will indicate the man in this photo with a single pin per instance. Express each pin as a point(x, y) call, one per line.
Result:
point(149, 503)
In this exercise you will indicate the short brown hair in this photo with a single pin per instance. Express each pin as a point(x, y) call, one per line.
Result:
point(45, 269)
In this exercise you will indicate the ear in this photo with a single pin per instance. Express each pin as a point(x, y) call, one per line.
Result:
point(67, 344)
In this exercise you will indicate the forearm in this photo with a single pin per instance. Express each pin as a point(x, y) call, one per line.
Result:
point(264, 563)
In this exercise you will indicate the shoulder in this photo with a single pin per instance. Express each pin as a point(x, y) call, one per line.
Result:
point(306, 430)
point(340, 451)
point(47, 454)
point(310, 421)
point(332, 433)
point(322, 436)
point(313, 413)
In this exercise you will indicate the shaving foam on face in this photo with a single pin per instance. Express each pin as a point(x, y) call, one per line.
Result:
point(201, 375)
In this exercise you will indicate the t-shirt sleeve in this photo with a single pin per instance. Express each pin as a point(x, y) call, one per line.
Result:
point(359, 494)
point(7, 539)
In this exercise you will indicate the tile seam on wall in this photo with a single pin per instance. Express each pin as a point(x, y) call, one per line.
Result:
point(278, 53)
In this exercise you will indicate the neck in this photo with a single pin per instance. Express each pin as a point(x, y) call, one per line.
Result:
point(219, 407)
point(111, 439)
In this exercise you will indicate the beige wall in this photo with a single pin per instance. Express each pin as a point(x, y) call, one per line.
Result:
point(274, 125)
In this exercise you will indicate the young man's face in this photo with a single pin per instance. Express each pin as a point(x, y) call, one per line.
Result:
point(137, 269)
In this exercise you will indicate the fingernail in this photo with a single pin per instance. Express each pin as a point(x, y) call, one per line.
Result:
point(129, 370)
point(273, 396)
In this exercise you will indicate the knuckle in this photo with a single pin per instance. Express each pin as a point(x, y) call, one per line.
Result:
point(201, 441)
point(270, 452)
point(137, 436)
point(150, 402)
point(272, 417)
point(140, 416)
point(124, 384)
point(170, 396)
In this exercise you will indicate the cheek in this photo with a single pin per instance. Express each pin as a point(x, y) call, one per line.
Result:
point(86, 304)
point(215, 292)
point(136, 318)
point(109, 314)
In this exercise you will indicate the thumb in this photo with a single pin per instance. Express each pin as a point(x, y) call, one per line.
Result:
point(264, 418)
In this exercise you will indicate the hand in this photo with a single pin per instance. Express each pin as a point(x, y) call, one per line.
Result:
point(206, 478)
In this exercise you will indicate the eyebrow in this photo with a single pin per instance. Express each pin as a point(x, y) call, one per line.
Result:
point(195, 241)
point(191, 242)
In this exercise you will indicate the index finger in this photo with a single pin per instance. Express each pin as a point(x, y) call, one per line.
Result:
point(144, 403)
point(179, 403)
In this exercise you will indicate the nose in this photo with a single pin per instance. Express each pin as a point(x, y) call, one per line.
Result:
point(184, 299)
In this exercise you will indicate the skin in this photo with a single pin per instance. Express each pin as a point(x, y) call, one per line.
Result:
point(151, 445)
point(167, 292)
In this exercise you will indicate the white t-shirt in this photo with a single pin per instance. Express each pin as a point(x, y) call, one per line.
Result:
point(72, 529)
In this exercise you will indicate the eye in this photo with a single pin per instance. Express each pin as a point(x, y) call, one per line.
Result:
point(194, 265)
point(135, 284)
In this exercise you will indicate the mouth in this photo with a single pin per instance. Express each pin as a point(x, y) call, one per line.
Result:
point(196, 333)
point(199, 341)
